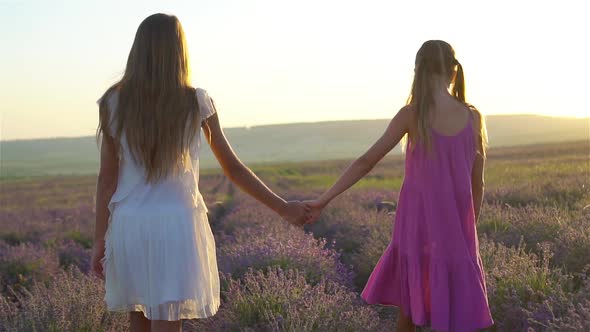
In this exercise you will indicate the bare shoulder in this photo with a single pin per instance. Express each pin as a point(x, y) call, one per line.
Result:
point(407, 108)
point(406, 118)
point(476, 117)
point(406, 114)
point(479, 130)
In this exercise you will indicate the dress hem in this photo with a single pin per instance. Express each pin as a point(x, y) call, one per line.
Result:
point(424, 323)
point(143, 309)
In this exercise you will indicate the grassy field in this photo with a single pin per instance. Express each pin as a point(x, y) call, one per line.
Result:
point(534, 241)
point(298, 142)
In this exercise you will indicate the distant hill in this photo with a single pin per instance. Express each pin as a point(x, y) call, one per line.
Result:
point(278, 143)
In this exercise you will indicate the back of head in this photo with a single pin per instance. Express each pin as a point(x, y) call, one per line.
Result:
point(157, 105)
point(435, 65)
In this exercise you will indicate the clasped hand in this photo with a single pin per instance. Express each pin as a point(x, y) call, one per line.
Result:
point(299, 213)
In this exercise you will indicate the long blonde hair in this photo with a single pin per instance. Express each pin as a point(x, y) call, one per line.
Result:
point(437, 58)
point(157, 105)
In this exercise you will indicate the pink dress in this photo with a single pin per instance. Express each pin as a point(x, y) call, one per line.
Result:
point(432, 268)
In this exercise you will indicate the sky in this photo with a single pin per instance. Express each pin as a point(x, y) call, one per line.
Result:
point(274, 61)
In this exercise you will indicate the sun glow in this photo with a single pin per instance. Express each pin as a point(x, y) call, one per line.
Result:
point(278, 62)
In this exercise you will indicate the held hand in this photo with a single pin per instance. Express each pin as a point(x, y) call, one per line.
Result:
point(295, 213)
point(97, 256)
point(315, 210)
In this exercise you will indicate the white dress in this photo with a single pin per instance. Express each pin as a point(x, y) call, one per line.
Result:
point(160, 251)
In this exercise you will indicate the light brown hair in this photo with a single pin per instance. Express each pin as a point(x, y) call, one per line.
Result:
point(157, 105)
point(436, 58)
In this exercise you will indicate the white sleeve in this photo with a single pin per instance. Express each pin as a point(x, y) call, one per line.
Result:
point(206, 108)
point(112, 103)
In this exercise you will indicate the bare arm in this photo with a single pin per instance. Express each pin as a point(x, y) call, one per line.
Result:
point(242, 176)
point(105, 188)
point(477, 173)
point(397, 128)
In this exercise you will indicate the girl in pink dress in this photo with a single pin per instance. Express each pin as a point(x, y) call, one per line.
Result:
point(431, 269)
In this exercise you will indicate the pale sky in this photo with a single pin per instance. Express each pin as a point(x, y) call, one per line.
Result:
point(273, 61)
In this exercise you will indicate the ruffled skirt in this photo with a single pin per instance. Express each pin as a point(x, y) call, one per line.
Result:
point(162, 264)
point(432, 269)
point(448, 295)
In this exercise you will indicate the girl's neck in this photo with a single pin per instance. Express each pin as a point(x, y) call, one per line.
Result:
point(440, 90)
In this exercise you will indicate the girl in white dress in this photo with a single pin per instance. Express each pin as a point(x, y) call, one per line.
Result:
point(153, 245)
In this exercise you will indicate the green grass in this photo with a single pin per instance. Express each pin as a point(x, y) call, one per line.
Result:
point(379, 182)
point(84, 240)
point(300, 142)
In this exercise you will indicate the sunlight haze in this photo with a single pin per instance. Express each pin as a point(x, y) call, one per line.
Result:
point(267, 62)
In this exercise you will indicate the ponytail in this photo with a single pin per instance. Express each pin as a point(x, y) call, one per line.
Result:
point(435, 57)
point(459, 93)
point(459, 85)
point(422, 99)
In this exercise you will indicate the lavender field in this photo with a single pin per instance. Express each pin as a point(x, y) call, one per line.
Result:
point(534, 240)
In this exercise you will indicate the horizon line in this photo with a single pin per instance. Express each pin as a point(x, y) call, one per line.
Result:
point(304, 122)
